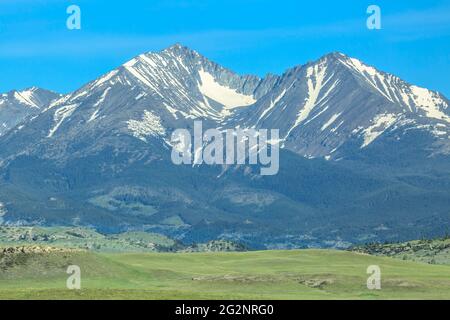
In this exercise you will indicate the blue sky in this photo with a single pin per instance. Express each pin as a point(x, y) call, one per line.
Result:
point(248, 36)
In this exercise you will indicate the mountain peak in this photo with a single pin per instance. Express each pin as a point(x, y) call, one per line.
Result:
point(179, 49)
point(174, 51)
point(31, 91)
point(17, 105)
point(176, 46)
point(336, 55)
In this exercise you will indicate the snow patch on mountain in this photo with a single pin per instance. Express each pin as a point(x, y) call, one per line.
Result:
point(429, 103)
point(102, 98)
point(59, 116)
point(26, 97)
point(106, 77)
point(315, 81)
point(330, 121)
point(273, 103)
point(140, 95)
point(94, 116)
point(224, 95)
point(379, 125)
point(317, 115)
point(174, 112)
point(150, 125)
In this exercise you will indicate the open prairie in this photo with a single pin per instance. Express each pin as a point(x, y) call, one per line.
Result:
point(300, 274)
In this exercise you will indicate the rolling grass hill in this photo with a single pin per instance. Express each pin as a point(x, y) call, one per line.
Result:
point(303, 274)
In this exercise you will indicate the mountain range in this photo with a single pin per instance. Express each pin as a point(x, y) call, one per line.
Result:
point(364, 155)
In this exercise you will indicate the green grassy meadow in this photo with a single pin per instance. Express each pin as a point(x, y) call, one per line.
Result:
point(300, 274)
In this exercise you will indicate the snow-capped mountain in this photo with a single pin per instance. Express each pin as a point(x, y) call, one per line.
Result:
point(320, 108)
point(101, 155)
point(16, 106)
point(335, 101)
point(145, 97)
